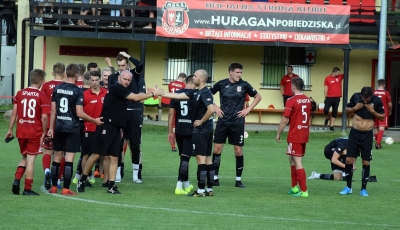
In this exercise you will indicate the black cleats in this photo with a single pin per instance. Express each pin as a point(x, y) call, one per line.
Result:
point(105, 185)
point(88, 184)
point(372, 179)
point(15, 187)
point(239, 184)
point(47, 180)
point(209, 193)
point(29, 193)
point(326, 121)
point(113, 190)
point(331, 129)
point(196, 194)
point(80, 186)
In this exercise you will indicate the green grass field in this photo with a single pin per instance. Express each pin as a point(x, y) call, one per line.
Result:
point(264, 204)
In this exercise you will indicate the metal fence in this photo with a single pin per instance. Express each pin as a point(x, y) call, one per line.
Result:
point(6, 92)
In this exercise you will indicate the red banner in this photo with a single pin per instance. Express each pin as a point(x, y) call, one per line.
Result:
point(90, 51)
point(253, 21)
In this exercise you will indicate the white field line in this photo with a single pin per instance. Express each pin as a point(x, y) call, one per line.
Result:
point(218, 213)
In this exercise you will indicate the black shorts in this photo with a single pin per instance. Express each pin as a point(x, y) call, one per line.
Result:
point(202, 144)
point(107, 140)
point(87, 143)
point(335, 168)
point(234, 132)
point(332, 102)
point(68, 142)
point(360, 141)
point(185, 145)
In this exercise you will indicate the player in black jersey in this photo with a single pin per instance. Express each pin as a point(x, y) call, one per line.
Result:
point(202, 130)
point(232, 94)
point(108, 136)
point(133, 131)
point(335, 152)
point(366, 107)
point(66, 107)
point(182, 111)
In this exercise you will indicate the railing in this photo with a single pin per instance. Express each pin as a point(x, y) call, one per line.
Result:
point(94, 22)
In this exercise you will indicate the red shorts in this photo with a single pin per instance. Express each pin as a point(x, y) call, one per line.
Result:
point(379, 123)
point(296, 149)
point(30, 146)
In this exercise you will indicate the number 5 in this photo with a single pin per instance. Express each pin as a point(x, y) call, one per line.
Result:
point(303, 107)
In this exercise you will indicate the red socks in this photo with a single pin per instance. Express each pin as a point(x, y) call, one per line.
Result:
point(301, 178)
point(379, 138)
point(19, 172)
point(46, 161)
point(62, 166)
point(28, 184)
point(293, 175)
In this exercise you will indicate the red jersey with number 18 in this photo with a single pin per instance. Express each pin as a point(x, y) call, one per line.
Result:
point(298, 110)
point(31, 104)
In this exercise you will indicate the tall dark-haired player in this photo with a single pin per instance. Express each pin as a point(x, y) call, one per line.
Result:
point(66, 106)
point(180, 117)
point(366, 108)
point(133, 131)
point(297, 111)
point(232, 94)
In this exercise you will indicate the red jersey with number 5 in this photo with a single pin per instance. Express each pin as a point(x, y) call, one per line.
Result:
point(385, 98)
point(31, 104)
point(298, 110)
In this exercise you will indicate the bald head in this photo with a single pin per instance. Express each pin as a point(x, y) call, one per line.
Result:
point(201, 76)
point(125, 78)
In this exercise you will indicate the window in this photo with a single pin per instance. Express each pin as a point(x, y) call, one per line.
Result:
point(276, 59)
point(187, 58)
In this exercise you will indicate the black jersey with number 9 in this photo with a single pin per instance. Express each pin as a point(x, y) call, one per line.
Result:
point(67, 96)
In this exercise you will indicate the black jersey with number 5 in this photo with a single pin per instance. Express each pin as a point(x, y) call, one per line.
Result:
point(67, 96)
point(184, 112)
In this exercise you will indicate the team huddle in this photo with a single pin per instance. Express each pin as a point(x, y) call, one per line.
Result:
point(62, 117)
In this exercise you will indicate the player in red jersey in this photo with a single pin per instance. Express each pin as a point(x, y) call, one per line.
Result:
point(380, 126)
point(297, 111)
point(93, 99)
point(286, 84)
point(174, 86)
point(333, 93)
point(31, 109)
point(47, 89)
